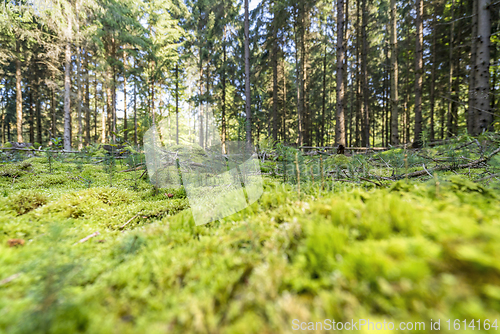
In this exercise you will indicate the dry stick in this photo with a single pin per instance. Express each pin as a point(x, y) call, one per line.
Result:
point(128, 221)
point(131, 169)
point(448, 167)
point(423, 165)
point(368, 180)
point(9, 279)
point(87, 238)
point(140, 177)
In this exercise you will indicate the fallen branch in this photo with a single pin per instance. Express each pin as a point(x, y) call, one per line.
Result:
point(472, 164)
point(9, 279)
point(131, 169)
point(368, 180)
point(128, 221)
point(87, 238)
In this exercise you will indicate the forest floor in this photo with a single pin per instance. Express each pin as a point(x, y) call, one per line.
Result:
point(411, 250)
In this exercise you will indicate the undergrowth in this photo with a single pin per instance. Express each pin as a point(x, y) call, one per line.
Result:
point(400, 251)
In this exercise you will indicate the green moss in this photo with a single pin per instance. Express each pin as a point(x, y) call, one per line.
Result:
point(411, 252)
point(26, 201)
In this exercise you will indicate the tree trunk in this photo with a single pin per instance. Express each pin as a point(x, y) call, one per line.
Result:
point(125, 124)
point(53, 107)
point(177, 103)
point(223, 115)
point(67, 98)
point(19, 95)
point(340, 125)
point(284, 101)
point(417, 142)
point(433, 75)
point(359, 104)
point(472, 112)
point(274, 61)
point(135, 108)
point(86, 99)
point(323, 102)
point(79, 98)
point(247, 80)
point(364, 56)
point(484, 118)
point(299, 76)
point(31, 109)
point(109, 108)
point(449, 120)
point(345, 74)
point(394, 76)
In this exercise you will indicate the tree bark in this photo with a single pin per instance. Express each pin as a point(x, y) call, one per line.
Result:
point(484, 118)
point(86, 99)
point(417, 142)
point(223, 115)
point(135, 109)
point(364, 56)
point(125, 125)
point(433, 75)
point(449, 120)
point(67, 97)
point(177, 103)
point(394, 76)
point(247, 80)
point(31, 110)
point(19, 95)
point(340, 125)
point(274, 60)
point(471, 112)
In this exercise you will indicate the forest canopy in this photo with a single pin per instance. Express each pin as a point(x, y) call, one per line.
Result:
point(307, 73)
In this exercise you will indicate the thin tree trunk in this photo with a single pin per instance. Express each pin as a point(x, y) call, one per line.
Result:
point(19, 95)
point(53, 107)
point(450, 73)
point(86, 99)
point(394, 76)
point(364, 56)
point(471, 114)
point(299, 76)
point(359, 104)
point(274, 61)
point(323, 102)
point(135, 108)
point(109, 108)
point(223, 115)
point(67, 98)
point(433, 75)
point(346, 51)
point(284, 101)
point(38, 106)
point(484, 118)
point(31, 110)
point(417, 142)
point(177, 103)
point(340, 125)
point(125, 124)
point(79, 97)
point(247, 80)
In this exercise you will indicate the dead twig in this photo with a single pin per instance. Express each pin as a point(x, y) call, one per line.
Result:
point(87, 238)
point(9, 279)
point(132, 169)
point(128, 221)
point(368, 180)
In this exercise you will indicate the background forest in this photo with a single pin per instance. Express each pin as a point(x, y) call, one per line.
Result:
point(357, 73)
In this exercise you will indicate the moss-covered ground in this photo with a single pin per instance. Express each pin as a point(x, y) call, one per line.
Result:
point(403, 251)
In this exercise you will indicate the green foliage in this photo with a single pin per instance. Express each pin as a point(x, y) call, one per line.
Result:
point(26, 201)
point(409, 251)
